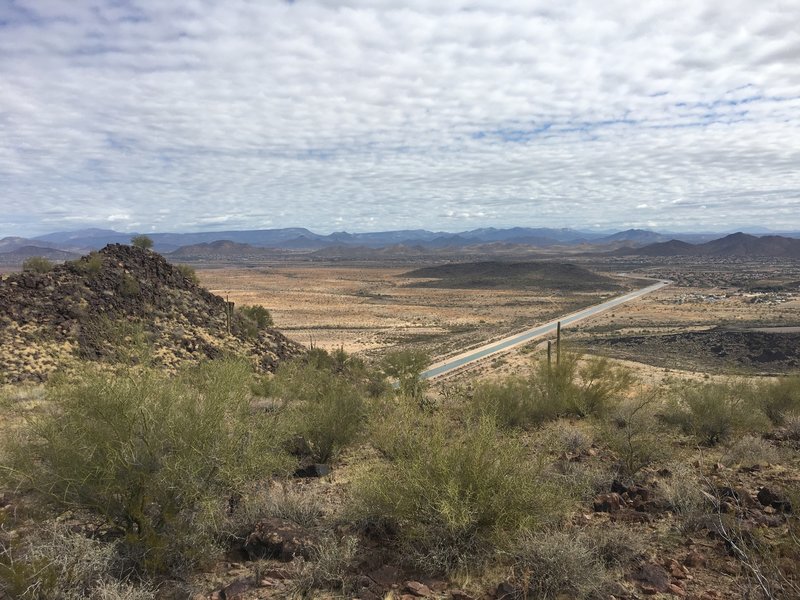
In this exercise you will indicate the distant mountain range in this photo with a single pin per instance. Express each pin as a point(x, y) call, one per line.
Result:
point(253, 243)
point(736, 244)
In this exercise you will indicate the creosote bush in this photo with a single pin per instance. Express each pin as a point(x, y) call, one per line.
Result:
point(556, 564)
point(37, 264)
point(157, 456)
point(55, 563)
point(129, 286)
point(780, 399)
point(511, 403)
point(571, 387)
point(92, 264)
point(634, 434)
point(713, 412)
point(189, 273)
point(453, 497)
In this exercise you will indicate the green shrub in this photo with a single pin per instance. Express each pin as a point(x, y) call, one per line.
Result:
point(780, 399)
point(601, 385)
point(572, 387)
point(713, 412)
point(142, 241)
point(91, 264)
point(387, 426)
point(558, 564)
point(512, 402)
point(37, 264)
point(156, 456)
point(580, 387)
point(189, 273)
point(331, 565)
point(452, 497)
point(129, 287)
point(55, 563)
point(325, 408)
point(634, 434)
point(406, 367)
point(258, 315)
point(331, 422)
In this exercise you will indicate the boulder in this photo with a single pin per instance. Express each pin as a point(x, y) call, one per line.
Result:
point(608, 502)
point(280, 539)
point(652, 578)
point(769, 497)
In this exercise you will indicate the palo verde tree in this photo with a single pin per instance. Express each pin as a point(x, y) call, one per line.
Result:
point(142, 241)
point(406, 366)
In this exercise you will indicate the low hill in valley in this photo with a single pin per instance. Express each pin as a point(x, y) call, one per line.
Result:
point(511, 275)
point(218, 249)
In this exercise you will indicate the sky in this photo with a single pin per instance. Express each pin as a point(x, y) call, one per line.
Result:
point(369, 115)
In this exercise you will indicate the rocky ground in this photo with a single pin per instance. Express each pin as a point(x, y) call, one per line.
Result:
point(101, 306)
point(664, 536)
point(716, 349)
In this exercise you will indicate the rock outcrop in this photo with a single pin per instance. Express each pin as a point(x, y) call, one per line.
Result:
point(109, 305)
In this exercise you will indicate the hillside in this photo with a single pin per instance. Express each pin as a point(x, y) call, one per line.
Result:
point(217, 249)
point(18, 255)
point(511, 275)
point(101, 306)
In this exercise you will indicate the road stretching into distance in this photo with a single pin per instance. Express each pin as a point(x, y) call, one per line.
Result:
point(455, 362)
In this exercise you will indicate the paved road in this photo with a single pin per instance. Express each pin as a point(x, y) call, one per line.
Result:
point(454, 362)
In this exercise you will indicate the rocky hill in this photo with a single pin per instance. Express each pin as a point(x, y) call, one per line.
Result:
point(108, 305)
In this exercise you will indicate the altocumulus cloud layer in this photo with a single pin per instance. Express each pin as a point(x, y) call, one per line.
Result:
point(377, 114)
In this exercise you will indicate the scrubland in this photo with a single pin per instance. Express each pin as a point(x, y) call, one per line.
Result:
point(342, 474)
point(572, 479)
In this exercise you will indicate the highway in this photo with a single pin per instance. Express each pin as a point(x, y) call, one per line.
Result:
point(454, 362)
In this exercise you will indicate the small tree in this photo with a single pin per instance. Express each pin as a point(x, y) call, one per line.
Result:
point(37, 264)
point(142, 241)
point(407, 366)
point(258, 314)
point(188, 272)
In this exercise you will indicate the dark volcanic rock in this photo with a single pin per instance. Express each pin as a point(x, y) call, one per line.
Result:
point(769, 497)
point(776, 351)
point(279, 539)
point(101, 305)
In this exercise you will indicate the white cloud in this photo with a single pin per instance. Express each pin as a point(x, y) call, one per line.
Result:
point(364, 115)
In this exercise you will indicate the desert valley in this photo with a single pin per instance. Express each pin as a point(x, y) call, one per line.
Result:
point(651, 451)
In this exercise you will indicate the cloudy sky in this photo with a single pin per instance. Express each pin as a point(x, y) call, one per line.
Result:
point(364, 115)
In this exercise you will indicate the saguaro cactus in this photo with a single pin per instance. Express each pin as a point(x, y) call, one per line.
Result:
point(558, 342)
